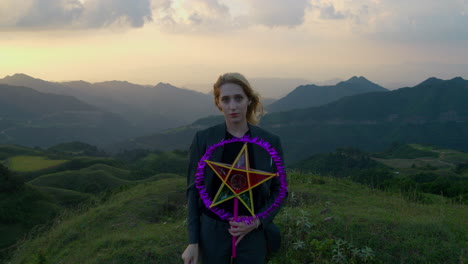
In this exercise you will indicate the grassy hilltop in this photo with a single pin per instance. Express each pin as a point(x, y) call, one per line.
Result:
point(325, 220)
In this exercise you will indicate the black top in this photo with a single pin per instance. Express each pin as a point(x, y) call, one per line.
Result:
point(230, 153)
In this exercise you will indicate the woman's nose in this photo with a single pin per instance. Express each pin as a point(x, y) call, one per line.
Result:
point(232, 105)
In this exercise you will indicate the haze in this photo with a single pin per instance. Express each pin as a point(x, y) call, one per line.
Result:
point(190, 42)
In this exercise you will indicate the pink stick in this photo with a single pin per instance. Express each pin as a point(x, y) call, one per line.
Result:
point(236, 206)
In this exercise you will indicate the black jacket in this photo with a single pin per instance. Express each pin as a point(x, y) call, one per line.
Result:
point(263, 161)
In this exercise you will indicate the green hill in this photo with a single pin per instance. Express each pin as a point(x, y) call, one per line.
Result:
point(7, 151)
point(74, 149)
point(21, 210)
point(84, 180)
point(324, 221)
point(116, 172)
point(75, 163)
point(63, 197)
point(411, 169)
point(32, 163)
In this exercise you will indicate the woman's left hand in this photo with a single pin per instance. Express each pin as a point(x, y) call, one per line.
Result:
point(240, 229)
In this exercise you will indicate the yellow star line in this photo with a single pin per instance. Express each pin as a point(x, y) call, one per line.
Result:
point(232, 167)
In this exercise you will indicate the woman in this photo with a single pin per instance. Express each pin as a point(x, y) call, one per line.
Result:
point(209, 235)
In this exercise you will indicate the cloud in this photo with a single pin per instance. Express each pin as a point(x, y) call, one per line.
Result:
point(399, 20)
point(208, 16)
point(329, 12)
point(100, 13)
point(72, 14)
point(194, 16)
point(423, 20)
point(274, 13)
point(389, 20)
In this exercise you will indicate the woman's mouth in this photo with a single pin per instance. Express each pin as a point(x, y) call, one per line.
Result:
point(233, 115)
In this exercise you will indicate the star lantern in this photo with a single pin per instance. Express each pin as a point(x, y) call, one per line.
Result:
point(238, 180)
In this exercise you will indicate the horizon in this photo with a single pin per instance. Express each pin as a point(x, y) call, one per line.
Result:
point(190, 43)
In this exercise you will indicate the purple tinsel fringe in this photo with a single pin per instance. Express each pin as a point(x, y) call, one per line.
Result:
point(200, 176)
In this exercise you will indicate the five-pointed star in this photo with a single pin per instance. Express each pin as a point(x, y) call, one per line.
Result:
point(238, 179)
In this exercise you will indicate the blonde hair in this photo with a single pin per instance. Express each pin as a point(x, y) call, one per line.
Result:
point(255, 108)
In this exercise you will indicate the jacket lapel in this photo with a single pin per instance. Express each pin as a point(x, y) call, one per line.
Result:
point(261, 156)
point(217, 135)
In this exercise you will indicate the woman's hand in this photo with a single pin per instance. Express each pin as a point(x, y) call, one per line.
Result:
point(240, 229)
point(190, 255)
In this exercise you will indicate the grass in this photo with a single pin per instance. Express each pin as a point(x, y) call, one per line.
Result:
point(141, 225)
point(84, 180)
point(32, 163)
point(22, 210)
point(396, 230)
point(7, 151)
point(325, 220)
point(116, 172)
point(63, 197)
point(447, 155)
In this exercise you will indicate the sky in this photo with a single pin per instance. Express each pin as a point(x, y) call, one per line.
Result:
point(182, 42)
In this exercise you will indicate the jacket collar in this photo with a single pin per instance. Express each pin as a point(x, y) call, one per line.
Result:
point(218, 135)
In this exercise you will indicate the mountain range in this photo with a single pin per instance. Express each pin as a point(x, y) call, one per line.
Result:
point(310, 95)
point(147, 108)
point(433, 112)
point(33, 118)
point(122, 115)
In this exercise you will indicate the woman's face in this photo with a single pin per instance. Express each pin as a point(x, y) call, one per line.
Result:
point(233, 102)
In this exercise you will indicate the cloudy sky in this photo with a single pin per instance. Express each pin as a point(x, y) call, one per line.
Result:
point(390, 42)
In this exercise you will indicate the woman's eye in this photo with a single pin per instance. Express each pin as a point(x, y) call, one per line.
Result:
point(225, 100)
point(238, 98)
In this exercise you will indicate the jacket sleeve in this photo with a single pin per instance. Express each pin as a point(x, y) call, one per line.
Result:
point(274, 189)
point(193, 217)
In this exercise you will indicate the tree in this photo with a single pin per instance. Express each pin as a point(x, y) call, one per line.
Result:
point(8, 181)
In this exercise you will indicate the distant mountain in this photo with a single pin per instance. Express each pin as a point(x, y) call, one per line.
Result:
point(273, 88)
point(306, 96)
point(33, 118)
point(434, 112)
point(433, 100)
point(147, 108)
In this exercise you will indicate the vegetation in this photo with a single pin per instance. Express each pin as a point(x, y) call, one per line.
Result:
point(406, 151)
point(325, 220)
point(32, 163)
point(73, 149)
point(145, 163)
point(21, 207)
point(84, 180)
point(128, 209)
point(411, 169)
point(15, 150)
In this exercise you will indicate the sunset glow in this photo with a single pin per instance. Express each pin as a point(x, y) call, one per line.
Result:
point(185, 42)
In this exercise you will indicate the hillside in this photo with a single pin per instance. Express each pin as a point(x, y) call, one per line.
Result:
point(147, 108)
point(324, 219)
point(306, 96)
point(40, 184)
point(410, 169)
point(33, 118)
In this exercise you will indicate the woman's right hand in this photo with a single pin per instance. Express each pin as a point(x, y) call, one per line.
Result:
point(190, 255)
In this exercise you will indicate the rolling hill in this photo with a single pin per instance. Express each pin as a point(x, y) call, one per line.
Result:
point(323, 219)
